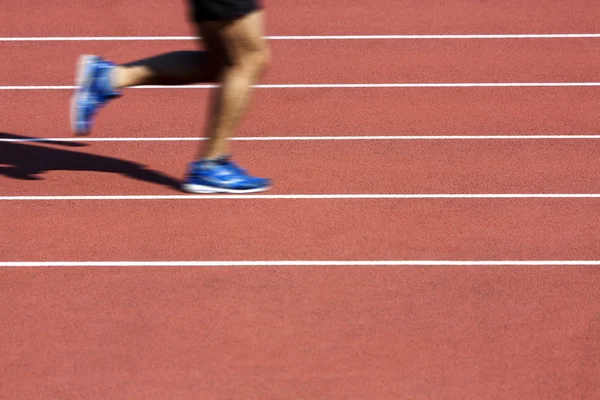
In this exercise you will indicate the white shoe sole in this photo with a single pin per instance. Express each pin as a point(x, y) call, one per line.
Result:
point(201, 189)
point(81, 77)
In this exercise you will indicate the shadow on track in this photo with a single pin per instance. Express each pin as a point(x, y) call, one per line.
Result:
point(28, 159)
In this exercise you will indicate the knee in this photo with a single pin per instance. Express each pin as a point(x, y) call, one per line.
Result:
point(263, 58)
point(256, 61)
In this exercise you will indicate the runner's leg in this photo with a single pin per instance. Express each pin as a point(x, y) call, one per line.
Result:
point(247, 57)
point(175, 68)
point(98, 81)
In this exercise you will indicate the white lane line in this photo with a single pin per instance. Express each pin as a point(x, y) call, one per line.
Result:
point(310, 37)
point(300, 138)
point(295, 263)
point(340, 85)
point(310, 196)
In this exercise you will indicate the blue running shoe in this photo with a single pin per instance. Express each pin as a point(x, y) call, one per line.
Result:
point(93, 91)
point(221, 176)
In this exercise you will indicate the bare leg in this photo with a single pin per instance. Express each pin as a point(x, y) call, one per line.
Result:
point(247, 57)
point(236, 55)
point(176, 68)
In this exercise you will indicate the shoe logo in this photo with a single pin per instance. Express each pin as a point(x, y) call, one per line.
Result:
point(219, 175)
point(229, 181)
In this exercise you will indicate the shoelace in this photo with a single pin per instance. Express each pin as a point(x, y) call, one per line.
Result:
point(103, 80)
point(235, 167)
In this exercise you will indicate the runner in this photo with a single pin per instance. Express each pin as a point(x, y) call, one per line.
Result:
point(235, 57)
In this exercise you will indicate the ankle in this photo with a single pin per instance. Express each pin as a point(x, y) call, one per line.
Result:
point(214, 156)
point(117, 77)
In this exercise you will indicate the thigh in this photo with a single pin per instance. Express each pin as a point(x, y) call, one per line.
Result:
point(237, 38)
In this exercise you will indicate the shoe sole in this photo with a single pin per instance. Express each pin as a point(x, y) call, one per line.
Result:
point(82, 77)
point(201, 189)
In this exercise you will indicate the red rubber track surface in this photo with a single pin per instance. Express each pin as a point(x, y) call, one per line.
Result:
point(481, 166)
point(310, 17)
point(279, 333)
point(410, 332)
point(553, 229)
point(308, 112)
point(371, 61)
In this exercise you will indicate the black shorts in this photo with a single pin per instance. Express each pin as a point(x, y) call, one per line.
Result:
point(222, 10)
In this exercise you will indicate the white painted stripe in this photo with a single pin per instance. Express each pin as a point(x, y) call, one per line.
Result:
point(295, 263)
point(310, 196)
point(310, 37)
point(300, 138)
point(339, 85)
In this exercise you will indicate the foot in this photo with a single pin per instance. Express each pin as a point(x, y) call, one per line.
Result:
point(222, 176)
point(94, 90)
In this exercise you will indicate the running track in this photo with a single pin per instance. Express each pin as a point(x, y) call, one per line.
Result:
point(449, 318)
